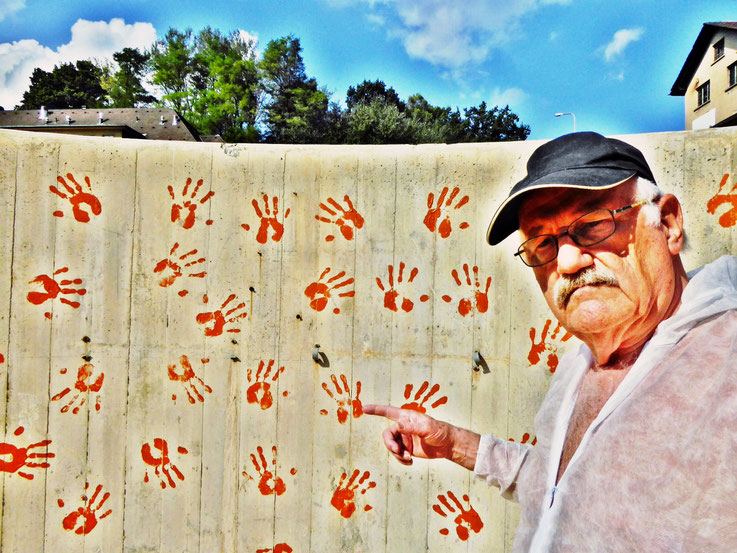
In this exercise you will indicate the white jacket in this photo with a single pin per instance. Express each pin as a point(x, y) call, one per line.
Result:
point(657, 469)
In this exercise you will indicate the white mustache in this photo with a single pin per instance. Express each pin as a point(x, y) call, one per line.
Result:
point(566, 285)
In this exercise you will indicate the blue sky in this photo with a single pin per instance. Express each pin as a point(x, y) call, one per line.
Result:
point(610, 63)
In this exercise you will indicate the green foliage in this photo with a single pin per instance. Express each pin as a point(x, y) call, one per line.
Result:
point(218, 85)
point(65, 86)
point(296, 109)
point(124, 87)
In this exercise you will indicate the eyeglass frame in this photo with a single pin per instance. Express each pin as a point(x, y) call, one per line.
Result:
point(573, 237)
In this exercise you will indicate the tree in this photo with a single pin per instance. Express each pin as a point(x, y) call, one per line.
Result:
point(367, 91)
point(296, 110)
point(70, 86)
point(171, 66)
point(377, 122)
point(493, 125)
point(125, 89)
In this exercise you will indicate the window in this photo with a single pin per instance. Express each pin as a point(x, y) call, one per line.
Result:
point(732, 74)
point(718, 49)
point(704, 92)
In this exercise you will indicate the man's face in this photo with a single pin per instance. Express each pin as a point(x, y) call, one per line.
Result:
point(637, 256)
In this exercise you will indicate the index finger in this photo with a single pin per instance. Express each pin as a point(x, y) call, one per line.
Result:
point(392, 413)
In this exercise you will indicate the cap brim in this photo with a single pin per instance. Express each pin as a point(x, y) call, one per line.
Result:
point(505, 221)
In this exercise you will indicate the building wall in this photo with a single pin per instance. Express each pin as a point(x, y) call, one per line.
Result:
point(723, 102)
point(162, 303)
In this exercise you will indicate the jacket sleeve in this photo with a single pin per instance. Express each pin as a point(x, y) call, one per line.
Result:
point(499, 463)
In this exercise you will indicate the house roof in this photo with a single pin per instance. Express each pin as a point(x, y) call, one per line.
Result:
point(150, 123)
point(698, 50)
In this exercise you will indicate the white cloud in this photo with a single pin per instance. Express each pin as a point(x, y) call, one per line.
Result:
point(252, 38)
point(455, 35)
point(90, 39)
point(511, 97)
point(620, 41)
point(9, 7)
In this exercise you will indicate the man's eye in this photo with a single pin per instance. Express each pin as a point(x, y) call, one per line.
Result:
point(545, 243)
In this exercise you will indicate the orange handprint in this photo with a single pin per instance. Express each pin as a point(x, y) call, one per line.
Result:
point(220, 319)
point(466, 520)
point(77, 198)
point(341, 217)
point(479, 297)
point(343, 398)
point(190, 381)
point(260, 385)
point(85, 518)
point(319, 292)
point(269, 483)
point(434, 213)
point(419, 404)
point(52, 289)
point(536, 349)
point(184, 208)
point(83, 374)
point(278, 548)
point(172, 269)
point(344, 497)
point(268, 219)
point(162, 464)
point(391, 295)
point(20, 457)
point(728, 218)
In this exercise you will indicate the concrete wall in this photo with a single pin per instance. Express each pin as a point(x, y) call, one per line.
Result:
point(160, 307)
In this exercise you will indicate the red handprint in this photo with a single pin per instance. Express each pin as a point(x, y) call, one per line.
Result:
point(526, 438)
point(268, 219)
point(319, 292)
point(269, 483)
point(83, 374)
point(728, 218)
point(536, 349)
point(77, 198)
point(172, 270)
point(185, 207)
point(260, 385)
point(20, 457)
point(341, 217)
point(391, 295)
point(420, 407)
point(52, 289)
point(466, 520)
point(434, 213)
point(343, 398)
point(190, 381)
point(162, 464)
point(278, 548)
point(479, 297)
point(220, 319)
point(85, 518)
point(344, 498)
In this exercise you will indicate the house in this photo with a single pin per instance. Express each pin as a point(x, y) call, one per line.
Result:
point(708, 79)
point(141, 123)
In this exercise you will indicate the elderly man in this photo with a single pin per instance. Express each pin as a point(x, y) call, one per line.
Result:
point(637, 448)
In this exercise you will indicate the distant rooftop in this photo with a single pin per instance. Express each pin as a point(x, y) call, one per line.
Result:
point(142, 123)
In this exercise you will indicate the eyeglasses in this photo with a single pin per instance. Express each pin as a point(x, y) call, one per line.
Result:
point(587, 230)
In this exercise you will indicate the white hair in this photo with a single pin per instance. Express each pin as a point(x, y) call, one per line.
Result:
point(648, 191)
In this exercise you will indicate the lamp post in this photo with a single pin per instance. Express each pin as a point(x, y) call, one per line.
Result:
point(572, 115)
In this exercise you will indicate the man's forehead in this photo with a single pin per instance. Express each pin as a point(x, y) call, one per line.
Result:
point(548, 203)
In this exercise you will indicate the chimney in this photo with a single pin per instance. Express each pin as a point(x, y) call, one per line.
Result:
point(99, 118)
point(174, 120)
point(69, 119)
point(42, 114)
point(161, 120)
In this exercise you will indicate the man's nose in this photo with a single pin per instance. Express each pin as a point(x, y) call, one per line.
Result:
point(571, 257)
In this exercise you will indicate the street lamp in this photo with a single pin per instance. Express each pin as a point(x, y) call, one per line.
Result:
point(572, 115)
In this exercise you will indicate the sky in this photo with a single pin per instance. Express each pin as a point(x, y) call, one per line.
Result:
point(611, 64)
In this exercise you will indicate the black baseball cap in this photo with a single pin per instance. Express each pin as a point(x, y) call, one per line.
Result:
point(584, 160)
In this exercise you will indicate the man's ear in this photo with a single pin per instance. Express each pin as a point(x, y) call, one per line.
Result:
point(671, 219)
